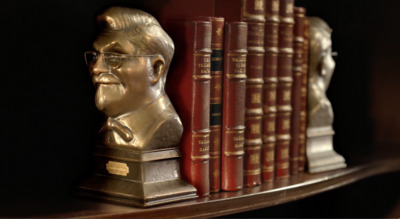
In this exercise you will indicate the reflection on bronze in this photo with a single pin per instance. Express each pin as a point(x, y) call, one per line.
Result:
point(320, 153)
point(137, 157)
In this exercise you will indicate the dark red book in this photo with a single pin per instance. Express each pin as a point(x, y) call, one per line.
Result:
point(233, 105)
point(298, 71)
point(284, 88)
point(303, 102)
point(253, 13)
point(217, 66)
point(270, 84)
point(190, 94)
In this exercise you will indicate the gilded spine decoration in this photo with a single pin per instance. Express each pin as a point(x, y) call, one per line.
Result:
point(298, 72)
point(253, 13)
point(270, 86)
point(303, 102)
point(234, 106)
point(284, 88)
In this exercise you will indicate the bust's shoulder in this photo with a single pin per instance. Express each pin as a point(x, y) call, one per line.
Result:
point(167, 132)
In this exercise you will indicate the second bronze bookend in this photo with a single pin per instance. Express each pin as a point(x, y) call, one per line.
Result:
point(320, 153)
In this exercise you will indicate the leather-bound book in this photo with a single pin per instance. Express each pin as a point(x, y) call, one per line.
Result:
point(253, 13)
point(284, 88)
point(270, 84)
point(217, 66)
point(190, 92)
point(233, 105)
point(303, 101)
point(298, 72)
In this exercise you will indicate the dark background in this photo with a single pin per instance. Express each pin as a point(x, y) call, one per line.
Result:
point(49, 120)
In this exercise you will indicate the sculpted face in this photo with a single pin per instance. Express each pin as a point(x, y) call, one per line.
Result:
point(123, 81)
point(327, 62)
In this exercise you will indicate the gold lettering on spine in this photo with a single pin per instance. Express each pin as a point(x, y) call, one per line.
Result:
point(203, 67)
point(240, 64)
point(275, 6)
point(255, 159)
point(255, 129)
point(204, 149)
point(256, 98)
point(219, 31)
point(286, 95)
point(204, 145)
point(269, 156)
point(286, 124)
point(271, 126)
point(289, 8)
point(258, 5)
point(216, 172)
point(117, 168)
point(238, 141)
point(272, 95)
point(285, 153)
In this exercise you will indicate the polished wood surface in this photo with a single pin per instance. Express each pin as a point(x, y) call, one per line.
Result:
point(224, 203)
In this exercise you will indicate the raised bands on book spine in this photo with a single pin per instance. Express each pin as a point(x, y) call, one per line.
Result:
point(298, 59)
point(284, 88)
point(270, 86)
point(191, 94)
point(253, 11)
point(201, 99)
point(233, 105)
point(303, 102)
point(217, 65)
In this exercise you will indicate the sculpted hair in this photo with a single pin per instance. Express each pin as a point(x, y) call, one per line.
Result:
point(142, 30)
point(319, 30)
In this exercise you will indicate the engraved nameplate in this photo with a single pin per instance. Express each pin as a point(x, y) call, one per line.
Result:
point(117, 168)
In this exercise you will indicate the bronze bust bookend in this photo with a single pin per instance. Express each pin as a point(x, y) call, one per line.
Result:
point(136, 160)
point(320, 153)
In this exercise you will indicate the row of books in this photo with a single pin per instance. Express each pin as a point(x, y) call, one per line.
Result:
point(241, 94)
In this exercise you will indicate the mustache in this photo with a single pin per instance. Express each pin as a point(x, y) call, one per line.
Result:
point(105, 78)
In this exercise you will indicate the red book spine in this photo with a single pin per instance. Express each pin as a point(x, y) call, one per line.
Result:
point(233, 105)
point(270, 84)
point(298, 59)
point(191, 96)
point(253, 13)
point(284, 88)
point(217, 65)
point(303, 102)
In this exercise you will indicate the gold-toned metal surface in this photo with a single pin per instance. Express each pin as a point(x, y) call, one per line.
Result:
point(320, 153)
point(136, 159)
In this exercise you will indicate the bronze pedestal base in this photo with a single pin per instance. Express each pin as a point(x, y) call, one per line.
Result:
point(137, 178)
point(320, 154)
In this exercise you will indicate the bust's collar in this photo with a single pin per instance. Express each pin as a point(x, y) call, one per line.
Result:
point(150, 110)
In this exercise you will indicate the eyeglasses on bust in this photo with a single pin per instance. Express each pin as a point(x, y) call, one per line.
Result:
point(112, 60)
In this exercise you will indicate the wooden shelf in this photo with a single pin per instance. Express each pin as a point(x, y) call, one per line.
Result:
point(224, 203)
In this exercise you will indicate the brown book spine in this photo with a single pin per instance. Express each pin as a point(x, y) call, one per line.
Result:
point(298, 71)
point(191, 96)
point(253, 13)
point(284, 88)
point(217, 66)
point(303, 102)
point(233, 105)
point(270, 84)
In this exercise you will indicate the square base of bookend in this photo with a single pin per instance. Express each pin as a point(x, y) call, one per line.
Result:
point(135, 193)
point(320, 153)
point(141, 179)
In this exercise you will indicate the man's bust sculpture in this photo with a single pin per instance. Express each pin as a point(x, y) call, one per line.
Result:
point(136, 161)
point(321, 69)
point(320, 153)
point(129, 67)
